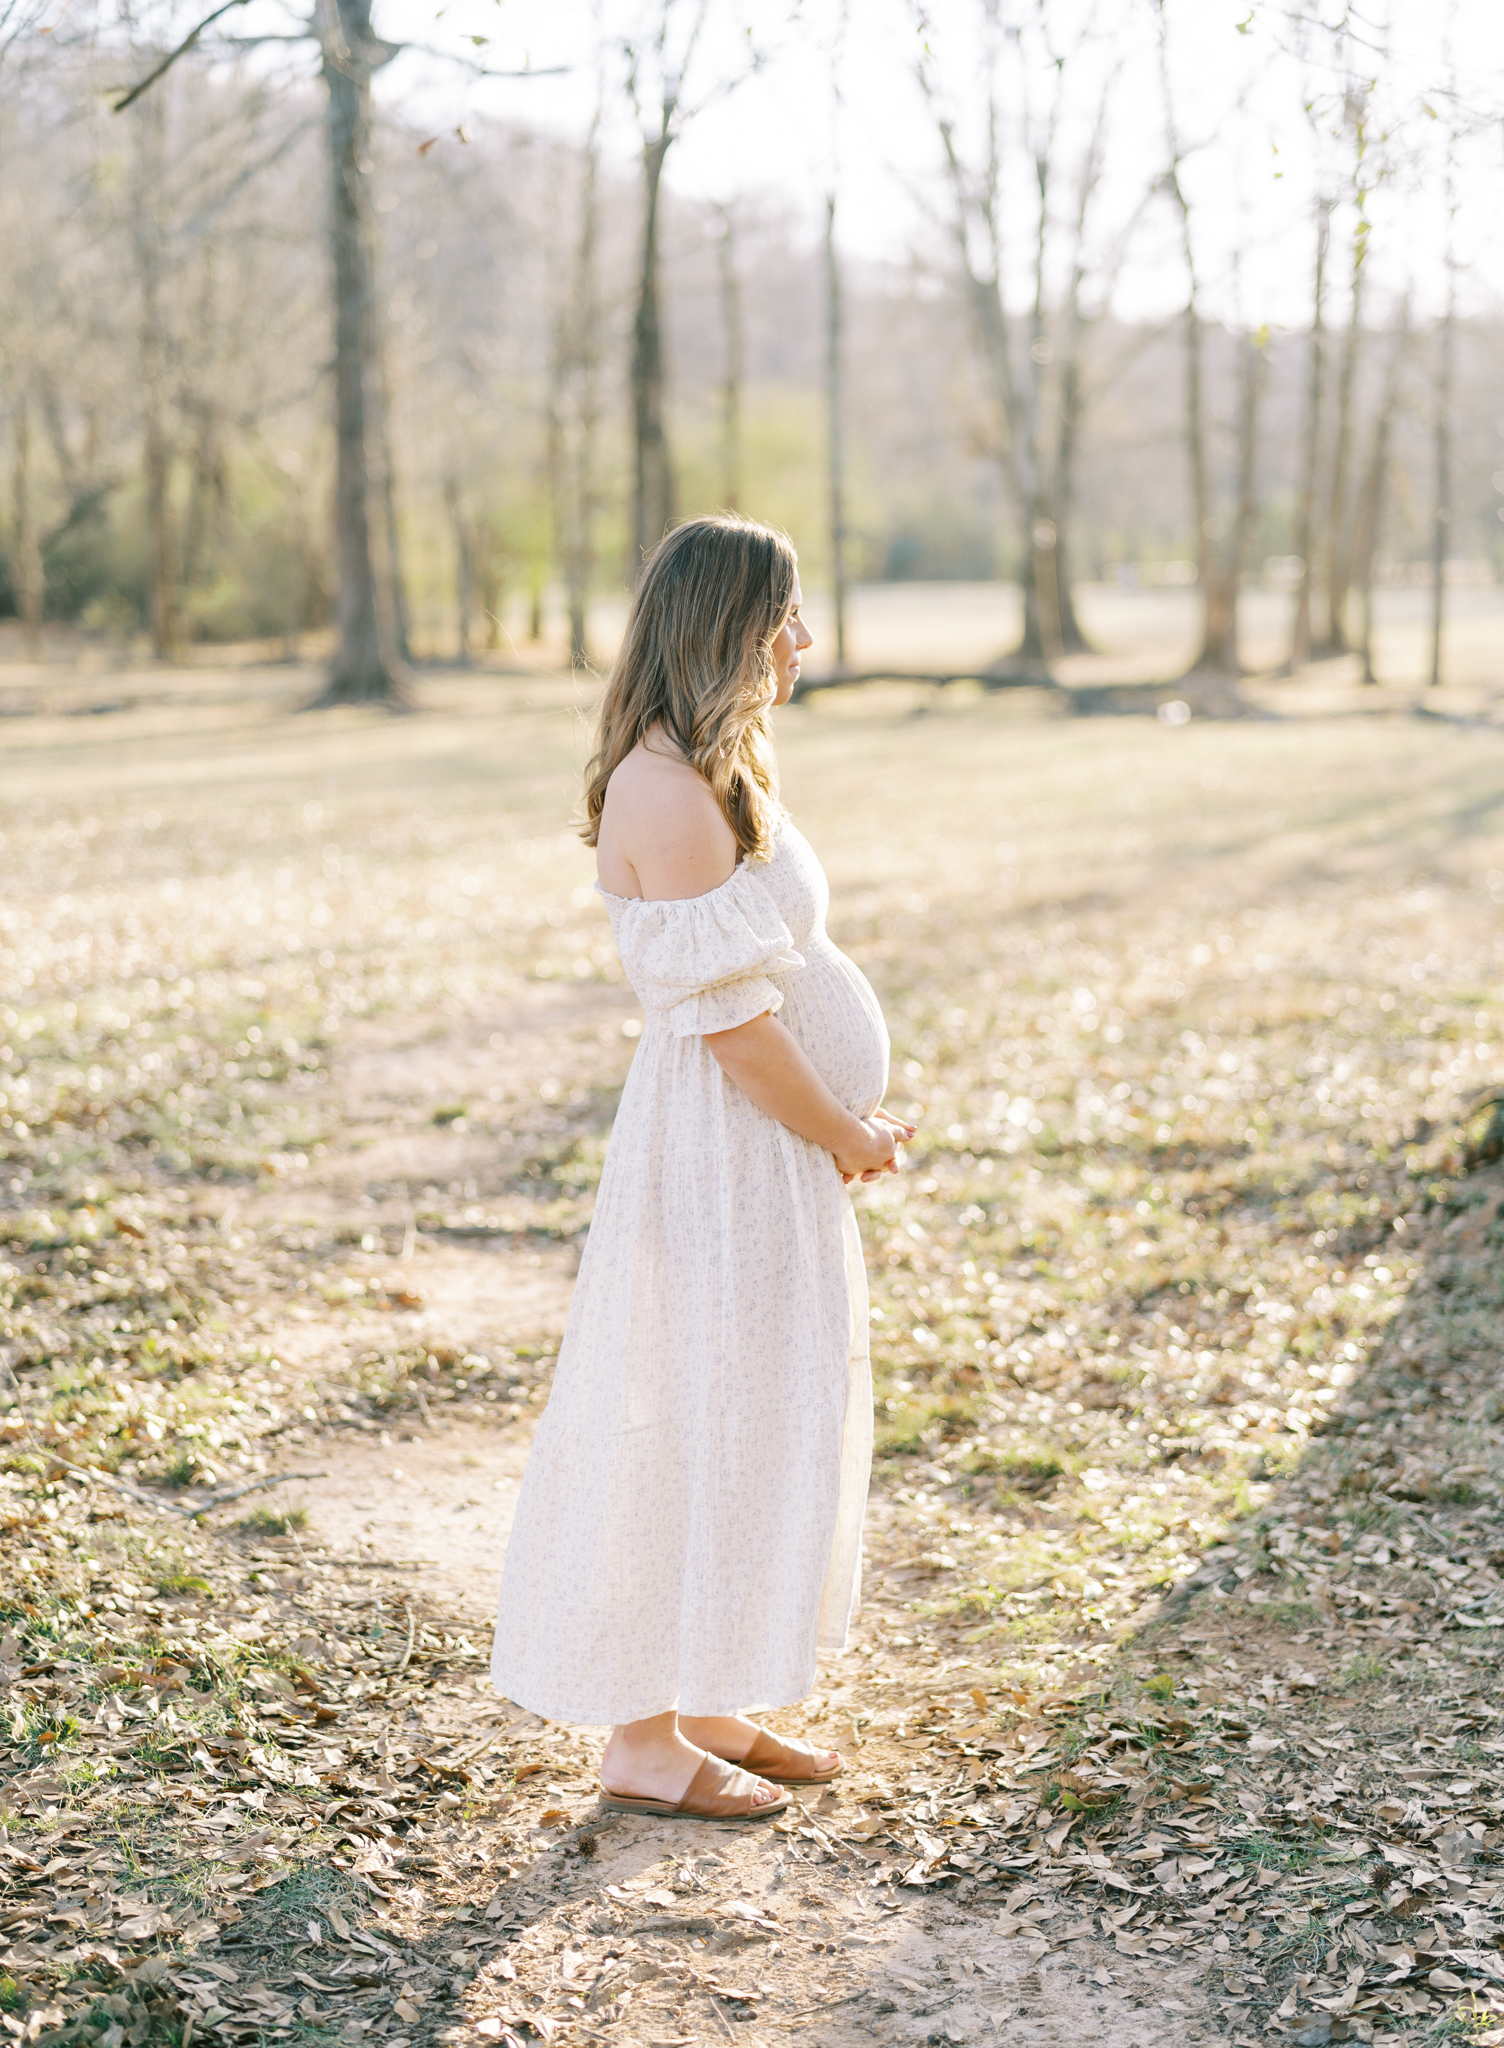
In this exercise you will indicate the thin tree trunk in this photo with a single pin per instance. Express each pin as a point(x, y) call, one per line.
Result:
point(28, 551)
point(574, 408)
point(1337, 549)
point(1218, 653)
point(1441, 522)
point(835, 441)
point(1072, 639)
point(731, 385)
point(367, 666)
point(488, 577)
point(207, 488)
point(653, 495)
point(1300, 629)
point(401, 618)
point(464, 569)
point(1045, 584)
point(1252, 372)
point(161, 608)
point(1371, 502)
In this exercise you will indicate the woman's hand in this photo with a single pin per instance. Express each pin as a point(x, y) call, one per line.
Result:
point(875, 1151)
point(888, 1132)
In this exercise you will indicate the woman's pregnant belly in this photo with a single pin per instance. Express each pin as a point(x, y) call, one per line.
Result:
point(830, 1007)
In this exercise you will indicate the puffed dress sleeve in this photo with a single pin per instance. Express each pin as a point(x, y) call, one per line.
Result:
point(702, 963)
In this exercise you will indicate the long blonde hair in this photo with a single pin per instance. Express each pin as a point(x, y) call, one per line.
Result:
point(697, 660)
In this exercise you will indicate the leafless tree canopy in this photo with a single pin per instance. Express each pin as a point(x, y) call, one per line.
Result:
point(275, 357)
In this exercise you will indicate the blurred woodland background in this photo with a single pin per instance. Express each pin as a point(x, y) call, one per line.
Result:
point(280, 356)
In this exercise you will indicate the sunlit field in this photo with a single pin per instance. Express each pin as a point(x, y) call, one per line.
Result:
point(1191, 1280)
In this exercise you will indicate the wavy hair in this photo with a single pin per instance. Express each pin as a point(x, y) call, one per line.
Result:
point(697, 660)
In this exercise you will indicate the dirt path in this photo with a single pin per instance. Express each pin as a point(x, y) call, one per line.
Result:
point(784, 1928)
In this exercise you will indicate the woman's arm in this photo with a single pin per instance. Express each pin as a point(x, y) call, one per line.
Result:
point(767, 1063)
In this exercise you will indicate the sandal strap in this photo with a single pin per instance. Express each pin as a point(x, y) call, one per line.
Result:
point(768, 1753)
point(722, 1791)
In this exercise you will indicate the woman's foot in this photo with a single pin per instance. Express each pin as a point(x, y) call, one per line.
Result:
point(732, 1735)
point(653, 1760)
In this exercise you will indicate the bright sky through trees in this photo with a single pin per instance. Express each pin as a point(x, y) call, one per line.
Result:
point(1243, 74)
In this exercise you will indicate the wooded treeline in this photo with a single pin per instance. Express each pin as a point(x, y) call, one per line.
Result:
point(232, 413)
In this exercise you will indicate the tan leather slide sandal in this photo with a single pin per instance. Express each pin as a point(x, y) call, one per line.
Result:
point(717, 1791)
point(783, 1763)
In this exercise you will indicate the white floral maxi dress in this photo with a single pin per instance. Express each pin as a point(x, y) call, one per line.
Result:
point(689, 1526)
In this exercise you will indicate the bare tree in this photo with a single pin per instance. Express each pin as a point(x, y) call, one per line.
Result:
point(208, 483)
point(1310, 444)
point(1441, 442)
point(1040, 401)
point(1221, 544)
point(147, 227)
point(660, 58)
point(1337, 539)
point(735, 343)
point(574, 405)
point(1371, 499)
point(835, 408)
point(464, 567)
point(369, 665)
point(27, 546)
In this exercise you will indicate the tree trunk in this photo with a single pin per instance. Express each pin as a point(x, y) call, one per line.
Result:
point(367, 666)
point(1441, 522)
point(731, 386)
point(653, 496)
point(1072, 639)
point(573, 415)
point(836, 452)
point(208, 488)
point(464, 572)
point(391, 534)
point(1252, 368)
point(489, 560)
point(1371, 502)
point(1300, 629)
point(28, 551)
point(1337, 565)
point(161, 605)
point(1218, 653)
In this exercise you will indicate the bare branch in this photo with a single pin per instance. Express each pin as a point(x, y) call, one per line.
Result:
point(480, 70)
point(143, 85)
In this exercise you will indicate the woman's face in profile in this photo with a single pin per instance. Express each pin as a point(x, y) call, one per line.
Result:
point(791, 640)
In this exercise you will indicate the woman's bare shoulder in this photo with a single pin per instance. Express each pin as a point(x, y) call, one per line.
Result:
point(662, 825)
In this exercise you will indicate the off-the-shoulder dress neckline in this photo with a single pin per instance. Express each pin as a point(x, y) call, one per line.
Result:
point(704, 896)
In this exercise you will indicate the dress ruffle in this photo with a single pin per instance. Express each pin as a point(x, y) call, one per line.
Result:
point(701, 963)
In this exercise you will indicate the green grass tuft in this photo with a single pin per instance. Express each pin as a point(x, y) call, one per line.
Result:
point(274, 1522)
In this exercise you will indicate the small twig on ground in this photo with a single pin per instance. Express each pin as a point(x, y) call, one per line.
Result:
point(715, 2008)
point(221, 1500)
point(412, 1628)
point(468, 1756)
point(171, 1507)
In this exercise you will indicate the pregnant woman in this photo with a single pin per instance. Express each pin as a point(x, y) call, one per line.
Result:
point(689, 1528)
